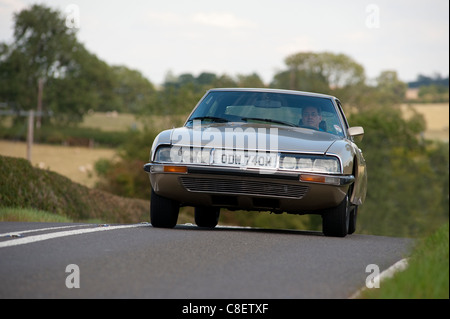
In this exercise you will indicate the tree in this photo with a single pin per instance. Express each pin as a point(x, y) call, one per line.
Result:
point(406, 186)
point(75, 79)
point(390, 87)
point(88, 84)
point(206, 78)
point(14, 79)
point(41, 51)
point(251, 81)
point(133, 89)
point(319, 72)
point(41, 35)
point(45, 43)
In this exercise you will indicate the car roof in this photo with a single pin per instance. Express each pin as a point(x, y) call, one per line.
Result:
point(282, 91)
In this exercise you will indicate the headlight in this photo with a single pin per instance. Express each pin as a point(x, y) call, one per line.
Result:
point(163, 154)
point(316, 164)
point(182, 155)
point(328, 165)
point(288, 162)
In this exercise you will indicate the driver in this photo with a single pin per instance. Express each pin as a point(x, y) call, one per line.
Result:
point(311, 116)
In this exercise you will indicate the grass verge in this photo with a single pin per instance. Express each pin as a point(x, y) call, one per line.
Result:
point(427, 274)
point(8, 214)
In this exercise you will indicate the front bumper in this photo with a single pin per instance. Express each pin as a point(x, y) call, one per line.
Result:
point(248, 189)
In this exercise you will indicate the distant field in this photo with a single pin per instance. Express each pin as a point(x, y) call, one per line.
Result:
point(111, 121)
point(436, 117)
point(76, 163)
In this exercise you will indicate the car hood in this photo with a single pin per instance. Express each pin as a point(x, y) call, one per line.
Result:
point(254, 137)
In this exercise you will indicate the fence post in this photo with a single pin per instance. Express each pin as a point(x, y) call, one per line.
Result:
point(39, 102)
point(30, 135)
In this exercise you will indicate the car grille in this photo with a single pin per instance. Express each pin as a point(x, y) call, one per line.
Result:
point(228, 186)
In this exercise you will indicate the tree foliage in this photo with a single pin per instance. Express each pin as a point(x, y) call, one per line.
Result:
point(41, 36)
point(321, 72)
point(75, 80)
point(407, 175)
point(87, 84)
point(180, 94)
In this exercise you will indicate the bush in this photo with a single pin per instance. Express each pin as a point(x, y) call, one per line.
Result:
point(24, 186)
point(127, 177)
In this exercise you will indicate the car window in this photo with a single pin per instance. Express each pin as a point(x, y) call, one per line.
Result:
point(341, 112)
point(283, 108)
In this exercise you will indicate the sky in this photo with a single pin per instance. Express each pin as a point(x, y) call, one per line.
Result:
point(235, 37)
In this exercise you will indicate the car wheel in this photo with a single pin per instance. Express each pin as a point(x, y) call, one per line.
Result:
point(207, 216)
point(335, 221)
point(352, 222)
point(163, 211)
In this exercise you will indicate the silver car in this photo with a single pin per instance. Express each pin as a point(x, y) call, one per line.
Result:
point(260, 150)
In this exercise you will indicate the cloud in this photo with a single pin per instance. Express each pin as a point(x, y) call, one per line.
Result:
point(297, 44)
point(8, 6)
point(166, 18)
point(222, 20)
point(7, 10)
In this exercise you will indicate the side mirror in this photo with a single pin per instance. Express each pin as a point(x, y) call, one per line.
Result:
point(356, 132)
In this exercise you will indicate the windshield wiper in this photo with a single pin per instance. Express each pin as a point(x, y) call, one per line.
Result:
point(212, 118)
point(268, 120)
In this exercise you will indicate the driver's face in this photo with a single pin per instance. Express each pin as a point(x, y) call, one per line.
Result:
point(311, 117)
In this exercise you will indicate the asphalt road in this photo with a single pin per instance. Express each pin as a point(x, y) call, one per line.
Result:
point(139, 261)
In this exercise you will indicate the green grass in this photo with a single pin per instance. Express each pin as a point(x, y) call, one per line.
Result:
point(30, 215)
point(427, 274)
point(10, 214)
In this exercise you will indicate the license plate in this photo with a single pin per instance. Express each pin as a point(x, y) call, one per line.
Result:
point(245, 159)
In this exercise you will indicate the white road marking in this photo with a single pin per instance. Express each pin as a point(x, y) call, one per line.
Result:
point(37, 238)
point(397, 267)
point(400, 265)
point(20, 232)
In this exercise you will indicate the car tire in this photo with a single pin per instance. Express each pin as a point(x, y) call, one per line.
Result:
point(335, 221)
point(207, 216)
point(163, 211)
point(352, 222)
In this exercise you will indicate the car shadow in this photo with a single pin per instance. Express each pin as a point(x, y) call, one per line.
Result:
point(227, 228)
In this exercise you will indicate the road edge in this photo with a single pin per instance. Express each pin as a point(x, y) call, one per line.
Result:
point(400, 265)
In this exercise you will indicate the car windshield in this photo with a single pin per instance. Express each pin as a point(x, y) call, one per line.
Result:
point(312, 112)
